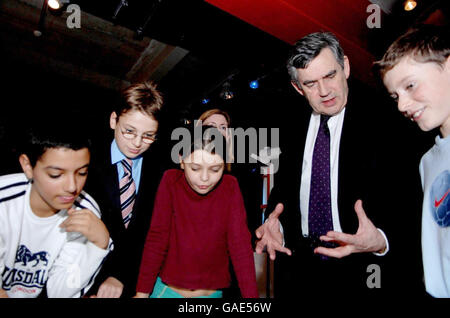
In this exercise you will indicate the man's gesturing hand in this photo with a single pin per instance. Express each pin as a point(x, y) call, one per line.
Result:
point(270, 236)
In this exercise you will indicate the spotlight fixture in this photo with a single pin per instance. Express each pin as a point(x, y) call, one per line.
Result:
point(54, 4)
point(122, 3)
point(409, 5)
point(205, 101)
point(56, 7)
point(254, 84)
point(226, 93)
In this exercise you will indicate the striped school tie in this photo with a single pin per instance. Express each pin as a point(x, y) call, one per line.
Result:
point(127, 191)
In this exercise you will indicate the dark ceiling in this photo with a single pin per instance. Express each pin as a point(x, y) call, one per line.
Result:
point(189, 47)
point(206, 45)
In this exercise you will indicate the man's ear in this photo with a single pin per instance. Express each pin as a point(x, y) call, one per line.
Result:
point(346, 67)
point(27, 168)
point(297, 88)
point(113, 120)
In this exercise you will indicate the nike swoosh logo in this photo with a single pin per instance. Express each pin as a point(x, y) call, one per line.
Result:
point(438, 203)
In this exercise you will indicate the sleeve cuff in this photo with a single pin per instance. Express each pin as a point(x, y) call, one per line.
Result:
point(386, 250)
point(282, 232)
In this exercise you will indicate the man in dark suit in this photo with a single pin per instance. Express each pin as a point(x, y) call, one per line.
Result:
point(315, 204)
point(123, 178)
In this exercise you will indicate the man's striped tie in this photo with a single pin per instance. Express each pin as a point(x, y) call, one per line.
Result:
point(127, 191)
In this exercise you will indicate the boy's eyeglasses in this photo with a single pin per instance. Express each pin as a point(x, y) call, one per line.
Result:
point(131, 134)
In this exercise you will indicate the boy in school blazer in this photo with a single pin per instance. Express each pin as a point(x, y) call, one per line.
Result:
point(135, 124)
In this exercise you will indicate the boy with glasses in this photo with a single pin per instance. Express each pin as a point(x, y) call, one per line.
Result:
point(124, 178)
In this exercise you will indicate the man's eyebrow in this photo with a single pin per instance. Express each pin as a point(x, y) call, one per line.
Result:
point(309, 82)
point(331, 73)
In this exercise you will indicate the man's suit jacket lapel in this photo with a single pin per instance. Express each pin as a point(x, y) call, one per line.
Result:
point(345, 151)
point(300, 150)
point(354, 162)
point(292, 162)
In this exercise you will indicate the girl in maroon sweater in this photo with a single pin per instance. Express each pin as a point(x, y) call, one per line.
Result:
point(198, 224)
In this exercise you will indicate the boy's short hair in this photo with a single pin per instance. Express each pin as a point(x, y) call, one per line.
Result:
point(143, 97)
point(54, 132)
point(424, 43)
